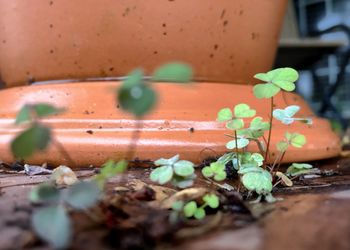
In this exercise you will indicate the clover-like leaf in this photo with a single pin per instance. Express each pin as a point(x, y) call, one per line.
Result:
point(235, 124)
point(53, 225)
point(138, 99)
point(83, 195)
point(265, 90)
point(178, 206)
point(199, 214)
point(169, 162)
point(184, 168)
point(23, 115)
point(35, 138)
point(190, 209)
point(277, 79)
point(45, 192)
point(173, 72)
point(207, 172)
point(211, 200)
point(282, 146)
point(183, 182)
point(300, 169)
point(224, 114)
point(258, 158)
point(162, 174)
point(286, 115)
point(296, 140)
point(112, 168)
point(284, 78)
point(302, 165)
point(45, 109)
point(243, 111)
point(240, 142)
point(260, 182)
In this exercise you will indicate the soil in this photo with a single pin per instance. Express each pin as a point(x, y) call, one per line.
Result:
point(314, 214)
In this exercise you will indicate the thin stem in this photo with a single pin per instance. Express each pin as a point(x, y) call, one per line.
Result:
point(134, 138)
point(63, 151)
point(238, 165)
point(279, 164)
point(269, 138)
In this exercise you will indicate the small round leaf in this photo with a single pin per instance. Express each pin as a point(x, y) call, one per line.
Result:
point(162, 174)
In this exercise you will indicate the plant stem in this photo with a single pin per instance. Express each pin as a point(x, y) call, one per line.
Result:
point(238, 165)
point(270, 130)
point(134, 138)
point(63, 151)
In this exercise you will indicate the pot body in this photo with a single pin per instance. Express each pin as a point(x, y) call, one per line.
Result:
point(93, 130)
point(224, 40)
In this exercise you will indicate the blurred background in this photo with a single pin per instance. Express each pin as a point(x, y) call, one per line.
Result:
point(315, 40)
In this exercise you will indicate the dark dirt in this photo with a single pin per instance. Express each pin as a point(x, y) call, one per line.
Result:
point(315, 214)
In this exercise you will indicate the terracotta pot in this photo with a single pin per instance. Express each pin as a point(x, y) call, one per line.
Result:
point(94, 130)
point(224, 40)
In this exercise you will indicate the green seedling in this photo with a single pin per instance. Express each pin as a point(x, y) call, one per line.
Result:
point(179, 172)
point(136, 94)
point(110, 169)
point(192, 209)
point(277, 79)
point(216, 170)
point(37, 136)
point(297, 169)
point(286, 115)
point(52, 222)
point(255, 174)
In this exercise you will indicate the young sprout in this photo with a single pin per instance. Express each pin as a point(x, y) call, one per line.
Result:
point(192, 209)
point(179, 172)
point(216, 170)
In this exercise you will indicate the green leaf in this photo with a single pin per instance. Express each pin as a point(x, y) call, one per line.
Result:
point(302, 165)
point(224, 114)
point(163, 162)
point(235, 124)
point(83, 195)
point(44, 109)
point(258, 158)
point(265, 90)
point(243, 111)
point(220, 175)
point(212, 200)
point(112, 168)
point(297, 140)
point(207, 172)
point(44, 193)
point(286, 115)
point(23, 115)
point(260, 182)
point(284, 78)
point(173, 72)
point(53, 225)
point(35, 138)
point(199, 213)
point(177, 206)
point(134, 78)
point(241, 143)
point(282, 146)
point(184, 168)
point(263, 77)
point(183, 182)
point(162, 174)
point(138, 100)
point(190, 208)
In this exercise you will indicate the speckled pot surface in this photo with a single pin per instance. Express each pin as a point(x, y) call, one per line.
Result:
point(224, 40)
point(93, 129)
